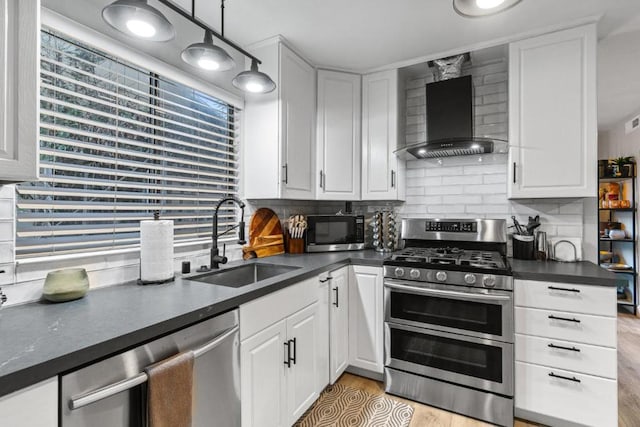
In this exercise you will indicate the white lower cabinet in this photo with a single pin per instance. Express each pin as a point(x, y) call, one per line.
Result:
point(263, 384)
point(302, 374)
point(566, 395)
point(366, 318)
point(338, 322)
point(566, 356)
point(34, 406)
point(279, 363)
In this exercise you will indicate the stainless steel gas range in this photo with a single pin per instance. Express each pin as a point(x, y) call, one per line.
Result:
point(449, 333)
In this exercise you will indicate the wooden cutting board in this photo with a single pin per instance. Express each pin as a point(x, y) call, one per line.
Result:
point(265, 235)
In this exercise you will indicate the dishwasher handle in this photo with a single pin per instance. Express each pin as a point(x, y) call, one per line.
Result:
point(88, 398)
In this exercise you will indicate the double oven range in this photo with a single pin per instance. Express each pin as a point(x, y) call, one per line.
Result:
point(449, 331)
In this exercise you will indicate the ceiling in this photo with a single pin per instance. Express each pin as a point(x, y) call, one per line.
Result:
point(363, 35)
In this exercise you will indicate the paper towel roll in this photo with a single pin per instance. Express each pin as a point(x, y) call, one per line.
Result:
point(156, 251)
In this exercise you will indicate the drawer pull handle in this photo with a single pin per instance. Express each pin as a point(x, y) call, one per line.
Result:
point(555, 288)
point(559, 347)
point(564, 319)
point(574, 379)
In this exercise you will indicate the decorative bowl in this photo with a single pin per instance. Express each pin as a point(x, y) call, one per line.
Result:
point(617, 234)
point(65, 285)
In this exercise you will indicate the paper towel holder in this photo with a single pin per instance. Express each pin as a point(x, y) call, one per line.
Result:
point(156, 217)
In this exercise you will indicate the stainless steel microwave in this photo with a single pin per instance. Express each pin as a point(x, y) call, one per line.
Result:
point(328, 233)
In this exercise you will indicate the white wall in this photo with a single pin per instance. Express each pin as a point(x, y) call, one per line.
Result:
point(465, 187)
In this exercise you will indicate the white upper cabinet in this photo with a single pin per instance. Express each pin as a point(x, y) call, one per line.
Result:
point(382, 171)
point(279, 128)
point(19, 90)
point(338, 137)
point(552, 115)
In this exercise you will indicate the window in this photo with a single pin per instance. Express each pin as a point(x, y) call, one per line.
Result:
point(117, 143)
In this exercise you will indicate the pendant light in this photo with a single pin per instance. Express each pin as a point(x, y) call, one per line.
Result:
point(207, 56)
point(137, 18)
point(253, 81)
point(477, 8)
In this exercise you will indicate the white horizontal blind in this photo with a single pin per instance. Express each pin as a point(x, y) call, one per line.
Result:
point(117, 143)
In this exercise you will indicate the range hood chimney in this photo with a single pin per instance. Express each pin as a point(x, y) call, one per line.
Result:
point(449, 111)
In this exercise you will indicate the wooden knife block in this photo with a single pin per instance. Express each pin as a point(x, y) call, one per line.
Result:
point(294, 246)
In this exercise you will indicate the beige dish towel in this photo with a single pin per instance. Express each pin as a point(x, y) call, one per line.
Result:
point(170, 391)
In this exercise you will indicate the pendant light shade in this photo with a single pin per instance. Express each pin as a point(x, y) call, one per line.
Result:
point(477, 8)
point(137, 18)
point(207, 56)
point(253, 81)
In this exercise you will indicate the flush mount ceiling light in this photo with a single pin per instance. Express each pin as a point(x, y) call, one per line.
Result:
point(137, 18)
point(207, 56)
point(253, 81)
point(477, 8)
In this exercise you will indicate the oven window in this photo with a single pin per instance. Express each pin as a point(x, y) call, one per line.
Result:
point(465, 315)
point(462, 357)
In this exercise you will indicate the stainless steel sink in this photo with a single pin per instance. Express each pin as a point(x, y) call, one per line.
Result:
point(243, 275)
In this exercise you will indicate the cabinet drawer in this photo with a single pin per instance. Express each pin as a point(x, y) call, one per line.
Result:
point(576, 327)
point(269, 309)
point(592, 401)
point(596, 300)
point(583, 358)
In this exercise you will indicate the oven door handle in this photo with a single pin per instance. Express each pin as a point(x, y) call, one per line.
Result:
point(451, 294)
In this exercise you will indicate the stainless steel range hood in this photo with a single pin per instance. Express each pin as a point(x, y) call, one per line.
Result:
point(449, 114)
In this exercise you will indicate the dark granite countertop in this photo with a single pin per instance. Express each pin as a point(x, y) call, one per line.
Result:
point(40, 340)
point(583, 272)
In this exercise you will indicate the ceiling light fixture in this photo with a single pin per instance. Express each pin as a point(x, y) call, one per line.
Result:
point(477, 8)
point(137, 18)
point(254, 81)
point(206, 55)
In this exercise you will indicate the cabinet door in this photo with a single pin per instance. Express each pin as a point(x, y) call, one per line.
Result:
point(324, 337)
point(339, 322)
point(19, 90)
point(380, 136)
point(302, 377)
point(552, 115)
point(338, 138)
point(34, 406)
point(263, 387)
point(297, 116)
point(366, 317)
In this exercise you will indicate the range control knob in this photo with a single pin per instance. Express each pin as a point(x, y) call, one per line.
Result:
point(415, 274)
point(441, 276)
point(469, 278)
point(399, 272)
point(489, 280)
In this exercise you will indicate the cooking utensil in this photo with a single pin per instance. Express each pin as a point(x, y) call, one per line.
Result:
point(517, 225)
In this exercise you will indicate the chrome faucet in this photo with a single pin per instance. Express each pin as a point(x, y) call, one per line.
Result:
point(216, 259)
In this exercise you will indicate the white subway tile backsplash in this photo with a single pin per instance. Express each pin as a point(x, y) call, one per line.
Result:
point(462, 179)
point(443, 189)
point(7, 208)
point(7, 191)
point(415, 191)
point(443, 171)
point(6, 230)
point(6, 252)
point(465, 199)
point(415, 173)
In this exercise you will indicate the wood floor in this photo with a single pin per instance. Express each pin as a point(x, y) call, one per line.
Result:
point(628, 386)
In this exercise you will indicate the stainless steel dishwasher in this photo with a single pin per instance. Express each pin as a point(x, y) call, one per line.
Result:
point(112, 392)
